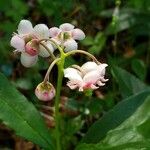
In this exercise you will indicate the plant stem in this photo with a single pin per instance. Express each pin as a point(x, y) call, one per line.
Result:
point(60, 65)
point(49, 69)
point(82, 52)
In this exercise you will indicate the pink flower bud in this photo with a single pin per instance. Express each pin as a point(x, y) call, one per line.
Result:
point(32, 47)
point(45, 91)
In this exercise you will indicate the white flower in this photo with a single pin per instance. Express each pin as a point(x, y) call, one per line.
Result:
point(26, 42)
point(66, 35)
point(88, 76)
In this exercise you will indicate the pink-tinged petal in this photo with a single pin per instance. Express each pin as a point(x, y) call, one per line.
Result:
point(25, 27)
point(54, 31)
point(89, 66)
point(72, 74)
point(28, 60)
point(101, 69)
point(72, 85)
point(70, 45)
point(57, 41)
point(94, 87)
point(18, 43)
point(43, 52)
point(41, 31)
point(91, 77)
point(78, 34)
point(100, 83)
point(66, 27)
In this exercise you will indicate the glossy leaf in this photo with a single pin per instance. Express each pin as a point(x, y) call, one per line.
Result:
point(20, 115)
point(132, 134)
point(139, 68)
point(114, 117)
point(128, 83)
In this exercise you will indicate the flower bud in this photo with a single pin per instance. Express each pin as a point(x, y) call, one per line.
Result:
point(32, 47)
point(45, 91)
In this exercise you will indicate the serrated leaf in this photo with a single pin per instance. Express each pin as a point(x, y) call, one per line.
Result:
point(128, 83)
point(114, 117)
point(20, 115)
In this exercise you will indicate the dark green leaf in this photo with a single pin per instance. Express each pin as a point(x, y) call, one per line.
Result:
point(132, 134)
point(128, 83)
point(139, 68)
point(115, 117)
point(20, 115)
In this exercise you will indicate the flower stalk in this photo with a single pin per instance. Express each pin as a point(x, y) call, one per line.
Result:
point(60, 65)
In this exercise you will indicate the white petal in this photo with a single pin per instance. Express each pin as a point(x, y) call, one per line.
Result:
point(28, 60)
point(94, 87)
point(78, 34)
point(101, 69)
point(91, 77)
point(41, 31)
point(70, 45)
point(66, 27)
point(17, 43)
point(72, 85)
point(25, 27)
point(100, 83)
point(72, 74)
point(89, 66)
point(43, 52)
point(54, 31)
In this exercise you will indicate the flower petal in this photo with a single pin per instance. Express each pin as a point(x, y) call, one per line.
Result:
point(54, 31)
point(101, 69)
point(89, 66)
point(43, 52)
point(17, 43)
point(70, 45)
point(91, 77)
point(78, 34)
point(25, 27)
point(72, 85)
point(28, 60)
point(72, 74)
point(66, 27)
point(41, 31)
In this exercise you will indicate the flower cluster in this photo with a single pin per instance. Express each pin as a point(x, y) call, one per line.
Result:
point(66, 35)
point(88, 76)
point(39, 40)
point(27, 40)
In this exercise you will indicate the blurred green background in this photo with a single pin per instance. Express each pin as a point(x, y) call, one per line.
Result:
point(117, 33)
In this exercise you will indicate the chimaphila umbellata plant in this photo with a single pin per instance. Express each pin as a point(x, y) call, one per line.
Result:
point(33, 42)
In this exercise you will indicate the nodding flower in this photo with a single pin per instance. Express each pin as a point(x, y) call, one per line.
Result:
point(89, 76)
point(26, 42)
point(45, 91)
point(66, 35)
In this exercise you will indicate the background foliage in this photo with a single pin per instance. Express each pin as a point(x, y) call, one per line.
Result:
point(119, 38)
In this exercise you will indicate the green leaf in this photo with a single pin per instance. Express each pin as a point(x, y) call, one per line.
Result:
point(88, 41)
point(114, 117)
point(139, 68)
point(132, 134)
point(128, 83)
point(99, 43)
point(20, 115)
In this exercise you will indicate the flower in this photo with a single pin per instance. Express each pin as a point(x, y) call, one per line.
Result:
point(88, 76)
point(45, 91)
point(66, 35)
point(26, 42)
